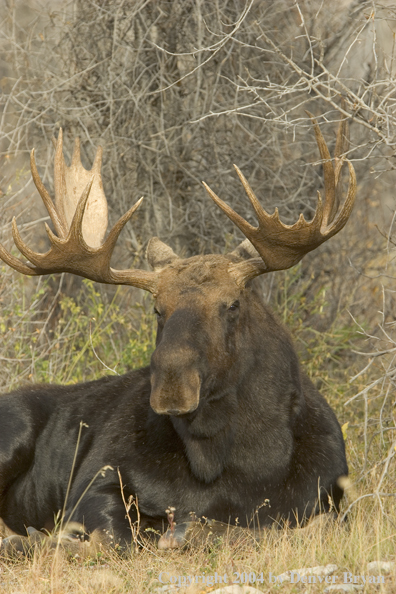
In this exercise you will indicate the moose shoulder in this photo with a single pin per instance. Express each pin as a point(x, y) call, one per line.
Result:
point(223, 423)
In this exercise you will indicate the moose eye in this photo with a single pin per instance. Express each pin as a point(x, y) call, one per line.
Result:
point(234, 306)
point(157, 313)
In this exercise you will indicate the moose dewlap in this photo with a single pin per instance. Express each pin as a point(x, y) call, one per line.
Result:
point(223, 423)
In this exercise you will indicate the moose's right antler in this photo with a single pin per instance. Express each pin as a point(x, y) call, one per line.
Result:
point(281, 246)
point(80, 220)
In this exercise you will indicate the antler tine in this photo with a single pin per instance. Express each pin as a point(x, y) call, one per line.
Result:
point(282, 246)
point(75, 231)
point(341, 147)
point(97, 164)
point(58, 223)
point(258, 209)
point(70, 250)
point(332, 172)
point(17, 264)
point(239, 221)
point(60, 182)
point(344, 214)
point(331, 196)
point(115, 231)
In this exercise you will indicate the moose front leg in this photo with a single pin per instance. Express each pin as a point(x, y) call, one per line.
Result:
point(105, 512)
point(112, 530)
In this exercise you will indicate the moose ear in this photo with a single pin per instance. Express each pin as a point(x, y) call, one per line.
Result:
point(245, 250)
point(159, 254)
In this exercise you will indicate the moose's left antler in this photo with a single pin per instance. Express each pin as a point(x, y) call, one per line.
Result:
point(80, 220)
point(282, 246)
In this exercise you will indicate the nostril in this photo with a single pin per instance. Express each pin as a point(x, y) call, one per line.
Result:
point(175, 412)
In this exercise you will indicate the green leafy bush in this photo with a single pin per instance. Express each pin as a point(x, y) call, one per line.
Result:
point(69, 339)
point(323, 340)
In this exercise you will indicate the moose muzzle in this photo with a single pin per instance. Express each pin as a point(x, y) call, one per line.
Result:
point(175, 381)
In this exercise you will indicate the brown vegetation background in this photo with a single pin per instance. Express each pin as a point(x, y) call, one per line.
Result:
point(176, 92)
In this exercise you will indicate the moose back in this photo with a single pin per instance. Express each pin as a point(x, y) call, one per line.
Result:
point(223, 423)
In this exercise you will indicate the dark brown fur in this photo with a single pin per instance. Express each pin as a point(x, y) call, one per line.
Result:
point(223, 423)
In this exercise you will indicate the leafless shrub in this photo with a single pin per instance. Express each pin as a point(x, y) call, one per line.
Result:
point(374, 403)
point(178, 91)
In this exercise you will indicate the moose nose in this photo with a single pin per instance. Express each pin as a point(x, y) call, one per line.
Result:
point(175, 379)
point(176, 412)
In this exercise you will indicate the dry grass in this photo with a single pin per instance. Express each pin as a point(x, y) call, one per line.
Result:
point(368, 536)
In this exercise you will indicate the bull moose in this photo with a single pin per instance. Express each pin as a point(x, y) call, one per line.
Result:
point(223, 423)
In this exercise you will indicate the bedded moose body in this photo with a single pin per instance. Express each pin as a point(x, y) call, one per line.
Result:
point(222, 424)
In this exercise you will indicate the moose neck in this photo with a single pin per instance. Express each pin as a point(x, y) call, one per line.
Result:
point(208, 434)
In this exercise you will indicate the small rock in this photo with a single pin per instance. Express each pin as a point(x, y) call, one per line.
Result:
point(319, 570)
point(385, 566)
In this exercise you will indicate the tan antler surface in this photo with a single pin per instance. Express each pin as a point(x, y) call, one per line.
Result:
point(282, 246)
point(70, 183)
point(79, 217)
